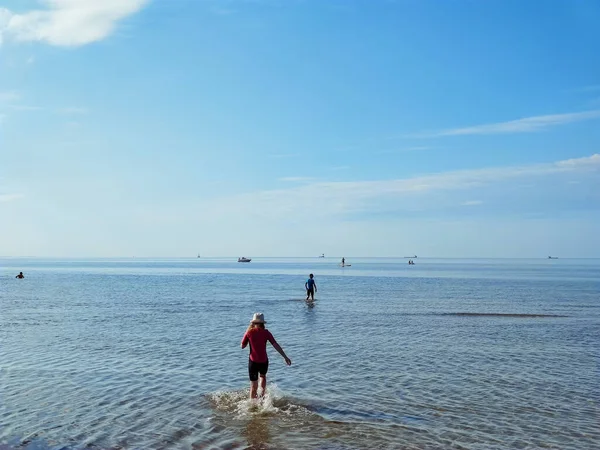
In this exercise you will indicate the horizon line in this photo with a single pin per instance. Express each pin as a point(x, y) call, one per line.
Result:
point(297, 257)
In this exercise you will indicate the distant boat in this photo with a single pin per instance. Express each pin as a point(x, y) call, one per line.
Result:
point(411, 257)
point(322, 255)
point(244, 259)
point(198, 255)
point(552, 257)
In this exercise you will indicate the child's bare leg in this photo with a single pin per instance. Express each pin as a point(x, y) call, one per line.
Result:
point(253, 389)
point(263, 384)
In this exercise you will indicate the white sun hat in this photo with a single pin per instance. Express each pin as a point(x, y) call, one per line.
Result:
point(258, 318)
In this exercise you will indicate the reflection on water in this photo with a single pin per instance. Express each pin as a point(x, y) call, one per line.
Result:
point(256, 431)
point(122, 355)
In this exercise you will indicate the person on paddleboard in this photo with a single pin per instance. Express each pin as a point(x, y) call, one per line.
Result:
point(257, 336)
point(311, 287)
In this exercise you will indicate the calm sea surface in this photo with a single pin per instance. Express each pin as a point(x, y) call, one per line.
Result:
point(456, 354)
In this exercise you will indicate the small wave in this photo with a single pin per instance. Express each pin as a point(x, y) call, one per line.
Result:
point(469, 314)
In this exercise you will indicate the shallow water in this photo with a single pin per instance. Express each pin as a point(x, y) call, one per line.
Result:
point(144, 354)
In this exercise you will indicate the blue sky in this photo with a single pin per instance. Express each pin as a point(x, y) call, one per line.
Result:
point(300, 127)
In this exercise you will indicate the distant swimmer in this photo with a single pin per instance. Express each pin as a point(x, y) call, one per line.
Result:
point(257, 336)
point(311, 287)
point(343, 261)
point(20, 275)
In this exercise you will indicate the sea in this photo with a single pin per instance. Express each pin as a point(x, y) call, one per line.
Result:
point(444, 354)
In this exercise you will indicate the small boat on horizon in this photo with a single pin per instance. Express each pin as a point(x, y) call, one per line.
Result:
point(243, 259)
point(410, 257)
point(552, 257)
point(322, 255)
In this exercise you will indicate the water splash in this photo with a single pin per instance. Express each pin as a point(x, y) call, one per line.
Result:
point(273, 403)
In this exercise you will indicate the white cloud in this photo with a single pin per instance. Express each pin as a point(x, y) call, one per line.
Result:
point(5, 198)
point(525, 125)
point(591, 161)
point(333, 198)
point(67, 22)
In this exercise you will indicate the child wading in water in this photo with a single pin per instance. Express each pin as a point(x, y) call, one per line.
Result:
point(257, 335)
point(311, 287)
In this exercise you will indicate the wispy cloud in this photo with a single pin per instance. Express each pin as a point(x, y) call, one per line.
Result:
point(591, 88)
point(283, 155)
point(73, 110)
point(525, 125)
point(472, 203)
point(405, 149)
point(336, 198)
point(11, 100)
point(9, 96)
point(223, 11)
point(5, 16)
point(67, 22)
point(25, 107)
point(295, 179)
point(72, 125)
point(5, 198)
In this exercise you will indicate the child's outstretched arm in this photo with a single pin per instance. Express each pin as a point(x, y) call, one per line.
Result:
point(277, 347)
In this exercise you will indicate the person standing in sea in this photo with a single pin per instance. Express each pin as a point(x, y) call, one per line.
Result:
point(311, 287)
point(258, 363)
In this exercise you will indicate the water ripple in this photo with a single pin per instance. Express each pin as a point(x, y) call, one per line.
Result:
point(109, 357)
